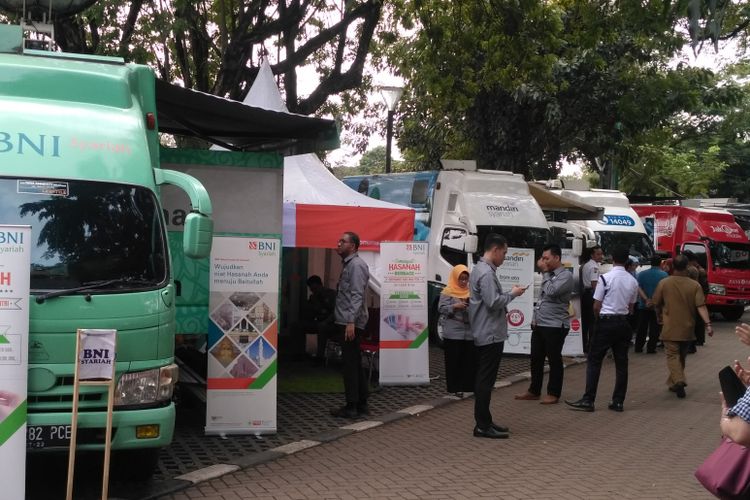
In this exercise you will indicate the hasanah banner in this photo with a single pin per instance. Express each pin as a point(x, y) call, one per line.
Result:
point(15, 250)
point(242, 335)
point(404, 355)
point(518, 269)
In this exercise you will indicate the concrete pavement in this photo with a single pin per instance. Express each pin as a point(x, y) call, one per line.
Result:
point(647, 452)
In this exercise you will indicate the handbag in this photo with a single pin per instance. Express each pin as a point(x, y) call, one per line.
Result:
point(726, 471)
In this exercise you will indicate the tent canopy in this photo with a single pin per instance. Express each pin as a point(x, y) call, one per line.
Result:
point(318, 207)
point(552, 201)
point(237, 126)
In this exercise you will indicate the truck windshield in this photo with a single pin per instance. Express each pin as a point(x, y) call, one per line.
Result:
point(730, 255)
point(83, 232)
point(518, 237)
point(639, 245)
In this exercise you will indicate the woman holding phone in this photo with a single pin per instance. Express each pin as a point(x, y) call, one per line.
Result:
point(458, 343)
point(735, 418)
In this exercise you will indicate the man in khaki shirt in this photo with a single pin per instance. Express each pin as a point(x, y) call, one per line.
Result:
point(676, 300)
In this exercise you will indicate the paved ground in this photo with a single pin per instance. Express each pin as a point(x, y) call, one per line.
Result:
point(300, 417)
point(648, 452)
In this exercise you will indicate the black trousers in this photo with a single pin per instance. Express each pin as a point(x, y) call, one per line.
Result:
point(649, 327)
point(460, 365)
point(587, 317)
point(355, 377)
point(700, 330)
point(547, 342)
point(488, 362)
point(615, 335)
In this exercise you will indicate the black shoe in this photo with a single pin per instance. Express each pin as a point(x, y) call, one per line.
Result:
point(692, 350)
point(500, 428)
point(615, 406)
point(638, 349)
point(581, 405)
point(345, 412)
point(651, 352)
point(363, 410)
point(490, 432)
point(679, 389)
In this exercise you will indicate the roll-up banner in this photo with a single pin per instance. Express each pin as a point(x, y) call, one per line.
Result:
point(573, 345)
point(15, 259)
point(404, 355)
point(242, 335)
point(518, 269)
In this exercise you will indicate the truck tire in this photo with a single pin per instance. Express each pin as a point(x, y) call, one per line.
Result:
point(733, 313)
point(436, 337)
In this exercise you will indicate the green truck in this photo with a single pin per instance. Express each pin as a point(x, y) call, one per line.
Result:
point(79, 163)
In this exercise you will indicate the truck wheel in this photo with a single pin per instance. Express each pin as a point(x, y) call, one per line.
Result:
point(137, 465)
point(733, 313)
point(436, 334)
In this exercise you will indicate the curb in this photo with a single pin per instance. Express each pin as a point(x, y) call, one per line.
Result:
point(198, 476)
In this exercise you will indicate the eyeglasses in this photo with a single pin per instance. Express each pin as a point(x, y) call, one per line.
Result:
point(343, 241)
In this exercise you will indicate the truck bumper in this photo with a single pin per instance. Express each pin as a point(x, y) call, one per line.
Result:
point(718, 301)
point(91, 426)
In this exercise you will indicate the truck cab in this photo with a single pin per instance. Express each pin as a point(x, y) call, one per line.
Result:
point(79, 164)
point(456, 208)
point(619, 224)
point(719, 243)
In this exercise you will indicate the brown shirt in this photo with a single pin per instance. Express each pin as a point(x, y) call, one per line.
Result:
point(679, 298)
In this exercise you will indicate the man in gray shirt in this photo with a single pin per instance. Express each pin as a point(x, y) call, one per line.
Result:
point(489, 327)
point(550, 326)
point(350, 315)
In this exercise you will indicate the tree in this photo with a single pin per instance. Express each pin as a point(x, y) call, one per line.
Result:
point(701, 154)
point(215, 46)
point(520, 85)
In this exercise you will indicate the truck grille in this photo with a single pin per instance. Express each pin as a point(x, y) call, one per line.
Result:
point(736, 291)
point(60, 397)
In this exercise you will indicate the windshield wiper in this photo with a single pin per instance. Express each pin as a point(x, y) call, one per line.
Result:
point(91, 285)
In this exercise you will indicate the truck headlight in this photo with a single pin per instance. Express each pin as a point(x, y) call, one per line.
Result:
point(716, 289)
point(146, 387)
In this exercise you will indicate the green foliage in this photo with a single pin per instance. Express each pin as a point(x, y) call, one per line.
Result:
point(372, 162)
point(216, 46)
point(520, 85)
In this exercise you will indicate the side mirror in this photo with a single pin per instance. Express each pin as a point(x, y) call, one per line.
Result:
point(577, 247)
point(471, 243)
point(197, 235)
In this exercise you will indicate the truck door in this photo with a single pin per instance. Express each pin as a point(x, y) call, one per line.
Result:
point(699, 249)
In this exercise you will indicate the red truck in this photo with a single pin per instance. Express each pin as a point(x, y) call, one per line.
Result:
point(716, 239)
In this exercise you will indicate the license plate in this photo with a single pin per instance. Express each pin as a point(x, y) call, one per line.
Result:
point(47, 436)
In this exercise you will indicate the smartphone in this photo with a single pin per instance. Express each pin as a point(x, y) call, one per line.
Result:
point(731, 386)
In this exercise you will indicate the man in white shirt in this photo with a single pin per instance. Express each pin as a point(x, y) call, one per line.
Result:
point(614, 297)
point(589, 277)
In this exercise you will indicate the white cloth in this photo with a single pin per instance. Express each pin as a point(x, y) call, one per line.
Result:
point(590, 273)
point(620, 291)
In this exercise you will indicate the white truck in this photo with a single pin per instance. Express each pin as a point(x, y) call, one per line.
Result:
point(619, 224)
point(456, 208)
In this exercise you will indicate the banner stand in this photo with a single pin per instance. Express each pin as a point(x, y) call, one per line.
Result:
point(99, 376)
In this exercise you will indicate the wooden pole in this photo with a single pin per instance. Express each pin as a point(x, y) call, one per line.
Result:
point(74, 422)
point(77, 383)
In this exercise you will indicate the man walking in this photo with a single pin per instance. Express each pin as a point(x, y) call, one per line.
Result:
point(696, 272)
point(549, 326)
point(589, 277)
point(676, 299)
point(351, 316)
point(647, 324)
point(614, 297)
point(489, 327)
